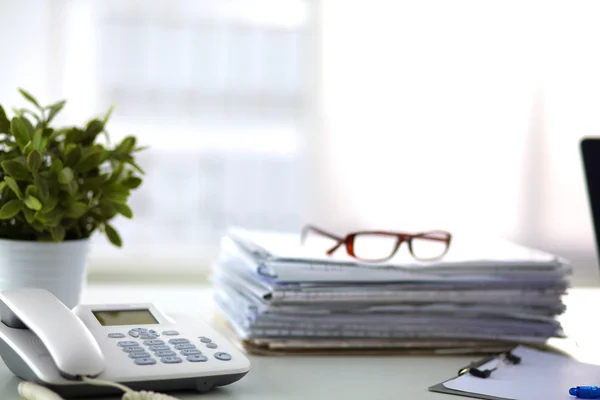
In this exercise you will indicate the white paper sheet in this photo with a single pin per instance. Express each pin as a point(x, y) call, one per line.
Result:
point(539, 376)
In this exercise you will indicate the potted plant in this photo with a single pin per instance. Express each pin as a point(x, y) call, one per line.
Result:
point(57, 187)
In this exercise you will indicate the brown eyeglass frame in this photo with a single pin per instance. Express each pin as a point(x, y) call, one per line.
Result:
point(348, 241)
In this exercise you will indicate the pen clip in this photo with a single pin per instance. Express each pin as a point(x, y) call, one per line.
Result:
point(474, 368)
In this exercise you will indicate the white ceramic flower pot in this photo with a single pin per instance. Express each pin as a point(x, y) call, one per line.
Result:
point(57, 267)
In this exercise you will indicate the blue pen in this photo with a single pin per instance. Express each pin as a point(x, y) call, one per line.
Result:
point(585, 392)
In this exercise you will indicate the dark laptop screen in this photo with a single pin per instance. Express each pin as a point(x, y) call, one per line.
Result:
point(590, 151)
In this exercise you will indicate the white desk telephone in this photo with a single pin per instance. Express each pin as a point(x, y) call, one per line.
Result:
point(41, 340)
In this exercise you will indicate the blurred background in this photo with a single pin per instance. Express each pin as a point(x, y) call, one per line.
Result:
point(456, 115)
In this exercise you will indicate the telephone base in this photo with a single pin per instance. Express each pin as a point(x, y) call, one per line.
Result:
point(171, 385)
point(200, 384)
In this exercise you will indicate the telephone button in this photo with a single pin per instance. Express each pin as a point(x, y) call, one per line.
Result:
point(171, 360)
point(211, 345)
point(153, 342)
point(125, 343)
point(223, 356)
point(140, 330)
point(130, 349)
point(190, 352)
point(145, 361)
point(139, 354)
point(184, 346)
point(165, 353)
point(204, 339)
point(147, 336)
point(170, 333)
point(134, 334)
point(116, 335)
point(178, 341)
point(159, 347)
point(153, 332)
point(197, 358)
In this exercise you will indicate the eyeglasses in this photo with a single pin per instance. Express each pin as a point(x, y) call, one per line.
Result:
point(379, 246)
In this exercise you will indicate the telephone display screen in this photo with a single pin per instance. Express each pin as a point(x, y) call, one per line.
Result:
point(125, 317)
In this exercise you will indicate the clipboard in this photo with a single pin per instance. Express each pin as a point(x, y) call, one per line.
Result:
point(542, 374)
point(475, 365)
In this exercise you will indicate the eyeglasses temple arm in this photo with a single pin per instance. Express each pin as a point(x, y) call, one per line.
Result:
point(309, 228)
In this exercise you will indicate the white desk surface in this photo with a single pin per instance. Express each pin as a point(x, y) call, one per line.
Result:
point(364, 377)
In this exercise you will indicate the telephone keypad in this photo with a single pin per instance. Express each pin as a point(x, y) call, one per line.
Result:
point(163, 351)
point(145, 361)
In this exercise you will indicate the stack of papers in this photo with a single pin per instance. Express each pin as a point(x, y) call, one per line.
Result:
point(282, 296)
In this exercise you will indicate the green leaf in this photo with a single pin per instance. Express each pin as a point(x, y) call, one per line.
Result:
point(43, 189)
point(108, 114)
point(115, 197)
point(4, 122)
point(29, 215)
point(30, 98)
point(132, 182)
point(137, 167)
point(34, 160)
point(31, 190)
point(37, 225)
point(12, 184)
point(28, 148)
point(90, 160)
point(43, 143)
point(94, 127)
point(57, 166)
point(140, 148)
point(33, 203)
point(15, 169)
point(127, 145)
point(37, 139)
point(72, 188)
point(24, 111)
point(107, 209)
point(76, 209)
point(28, 127)
point(66, 176)
point(55, 109)
point(124, 210)
point(19, 132)
point(3, 185)
point(93, 183)
point(10, 209)
point(50, 204)
point(113, 235)
point(58, 233)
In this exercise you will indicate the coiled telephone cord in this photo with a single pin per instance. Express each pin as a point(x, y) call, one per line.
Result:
point(33, 391)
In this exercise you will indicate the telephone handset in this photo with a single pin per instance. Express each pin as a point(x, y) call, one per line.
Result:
point(41, 340)
point(58, 329)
